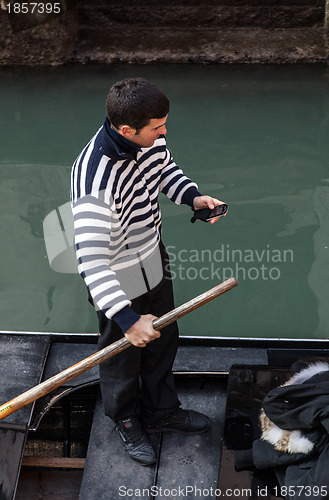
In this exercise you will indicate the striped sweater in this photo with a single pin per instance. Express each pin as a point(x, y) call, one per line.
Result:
point(114, 197)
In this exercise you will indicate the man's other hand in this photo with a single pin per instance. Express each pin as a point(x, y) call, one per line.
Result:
point(142, 332)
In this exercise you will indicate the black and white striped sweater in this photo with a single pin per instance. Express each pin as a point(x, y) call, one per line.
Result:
point(114, 196)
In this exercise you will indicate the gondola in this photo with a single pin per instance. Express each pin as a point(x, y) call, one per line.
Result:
point(64, 443)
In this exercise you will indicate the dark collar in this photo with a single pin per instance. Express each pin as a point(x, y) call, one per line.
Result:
point(115, 145)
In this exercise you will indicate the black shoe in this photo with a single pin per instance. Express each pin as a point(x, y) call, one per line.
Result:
point(183, 421)
point(135, 441)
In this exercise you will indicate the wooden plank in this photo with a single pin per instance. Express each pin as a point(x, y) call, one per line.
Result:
point(192, 462)
point(11, 447)
point(183, 460)
point(49, 485)
point(62, 355)
point(108, 467)
point(54, 462)
point(189, 359)
point(22, 360)
point(216, 359)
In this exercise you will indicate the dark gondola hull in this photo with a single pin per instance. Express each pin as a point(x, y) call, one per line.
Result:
point(67, 431)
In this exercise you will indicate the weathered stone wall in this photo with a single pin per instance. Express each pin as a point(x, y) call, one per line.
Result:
point(207, 14)
point(216, 31)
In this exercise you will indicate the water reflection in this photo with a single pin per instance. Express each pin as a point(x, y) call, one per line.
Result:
point(255, 137)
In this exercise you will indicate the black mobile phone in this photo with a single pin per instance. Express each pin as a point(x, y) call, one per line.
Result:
point(217, 211)
point(206, 214)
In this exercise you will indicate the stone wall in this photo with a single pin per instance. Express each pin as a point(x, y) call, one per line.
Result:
point(215, 31)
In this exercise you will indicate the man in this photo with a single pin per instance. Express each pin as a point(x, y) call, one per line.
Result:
point(114, 193)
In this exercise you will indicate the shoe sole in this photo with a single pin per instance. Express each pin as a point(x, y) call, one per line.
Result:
point(140, 462)
point(145, 465)
point(126, 449)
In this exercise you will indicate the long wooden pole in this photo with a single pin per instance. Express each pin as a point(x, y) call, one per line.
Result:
point(109, 351)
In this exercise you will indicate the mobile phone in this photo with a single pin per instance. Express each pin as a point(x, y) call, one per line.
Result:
point(206, 214)
point(217, 212)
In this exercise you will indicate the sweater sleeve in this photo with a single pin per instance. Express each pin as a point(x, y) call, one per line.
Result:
point(174, 183)
point(125, 318)
point(189, 195)
point(92, 224)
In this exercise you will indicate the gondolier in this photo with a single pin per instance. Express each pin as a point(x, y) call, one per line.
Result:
point(114, 194)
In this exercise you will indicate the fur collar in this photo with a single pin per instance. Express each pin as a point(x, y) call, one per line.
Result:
point(308, 372)
point(290, 441)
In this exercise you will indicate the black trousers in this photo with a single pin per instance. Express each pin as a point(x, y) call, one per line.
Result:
point(139, 380)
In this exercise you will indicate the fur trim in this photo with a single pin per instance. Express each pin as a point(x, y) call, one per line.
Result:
point(290, 441)
point(284, 440)
point(273, 434)
point(299, 443)
point(306, 373)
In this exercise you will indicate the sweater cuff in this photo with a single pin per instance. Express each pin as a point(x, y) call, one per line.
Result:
point(189, 195)
point(125, 318)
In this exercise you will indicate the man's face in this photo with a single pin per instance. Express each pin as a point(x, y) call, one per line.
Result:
point(146, 136)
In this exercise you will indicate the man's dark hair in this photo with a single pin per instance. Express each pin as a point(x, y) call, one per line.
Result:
point(134, 102)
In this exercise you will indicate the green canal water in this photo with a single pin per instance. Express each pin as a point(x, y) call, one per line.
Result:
point(256, 137)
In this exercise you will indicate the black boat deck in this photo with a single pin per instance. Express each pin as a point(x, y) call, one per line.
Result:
point(22, 363)
point(188, 465)
point(184, 460)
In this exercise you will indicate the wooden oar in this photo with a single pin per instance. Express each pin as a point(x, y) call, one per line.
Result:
point(109, 351)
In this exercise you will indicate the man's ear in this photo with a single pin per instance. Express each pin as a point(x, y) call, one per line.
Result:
point(127, 131)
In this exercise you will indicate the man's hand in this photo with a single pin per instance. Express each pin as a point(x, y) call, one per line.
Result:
point(142, 332)
point(206, 201)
